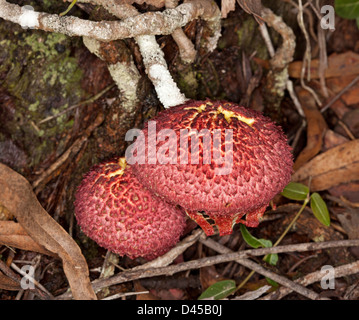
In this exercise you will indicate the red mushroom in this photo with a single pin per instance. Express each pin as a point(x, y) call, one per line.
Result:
point(118, 213)
point(260, 163)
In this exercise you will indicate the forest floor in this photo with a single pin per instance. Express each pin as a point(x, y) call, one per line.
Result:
point(42, 75)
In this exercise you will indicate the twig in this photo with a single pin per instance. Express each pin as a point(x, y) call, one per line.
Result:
point(152, 55)
point(252, 295)
point(313, 277)
point(74, 149)
point(349, 86)
point(131, 275)
point(149, 23)
point(257, 268)
point(90, 100)
point(298, 134)
point(307, 55)
point(171, 255)
point(126, 294)
point(289, 84)
point(31, 279)
point(347, 130)
point(265, 35)
point(292, 223)
point(186, 48)
point(323, 58)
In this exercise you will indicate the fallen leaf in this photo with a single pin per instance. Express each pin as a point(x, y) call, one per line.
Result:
point(209, 276)
point(337, 84)
point(7, 283)
point(331, 168)
point(349, 191)
point(140, 288)
point(9, 280)
point(18, 197)
point(13, 234)
point(333, 139)
point(350, 223)
point(349, 124)
point(339, 65)
point(316, 127)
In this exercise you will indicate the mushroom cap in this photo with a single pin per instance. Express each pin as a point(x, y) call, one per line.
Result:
point(119, 214)
point(258, 167)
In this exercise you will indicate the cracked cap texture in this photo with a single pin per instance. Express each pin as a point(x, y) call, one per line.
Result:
point(258, 166)
point(117, 212)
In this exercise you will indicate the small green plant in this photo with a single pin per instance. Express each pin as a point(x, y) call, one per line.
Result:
point(68, 8)
point(348, 9)
point(293, 191)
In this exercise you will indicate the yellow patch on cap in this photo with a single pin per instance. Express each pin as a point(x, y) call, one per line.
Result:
point(199, 109)
point(231, 114)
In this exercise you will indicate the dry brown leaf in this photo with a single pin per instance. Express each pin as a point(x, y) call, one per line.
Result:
point(209, 276)
point(331, 168)
point(316, 127)
point(7, 283)
point(350, 192)
point(344, 64)
point(13, 234)
point(17, 196)
point(145, 296)
point(349, 220)
point(337, 84)
point(333, 139)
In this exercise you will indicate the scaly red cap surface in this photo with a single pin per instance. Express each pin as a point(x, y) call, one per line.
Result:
point(258, 164)
point(118, 213)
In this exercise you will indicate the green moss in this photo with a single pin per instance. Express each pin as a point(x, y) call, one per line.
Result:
point(187, 83)
point(40, 72)
point(250, 40)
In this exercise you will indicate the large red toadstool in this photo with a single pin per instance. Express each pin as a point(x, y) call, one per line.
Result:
point(119, 214)
point(257, 163)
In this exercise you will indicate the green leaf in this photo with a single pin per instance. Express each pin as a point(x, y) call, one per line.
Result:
point(348, 9)
point(320, 209)
point(272, 259)
point(253, 241)
point(295, 191)
point(272, 282)
point(358, 23)
point(219, 290)
point(68, 8)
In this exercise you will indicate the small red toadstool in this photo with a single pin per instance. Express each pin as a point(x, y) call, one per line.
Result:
point(259, 167)
point(119, 214)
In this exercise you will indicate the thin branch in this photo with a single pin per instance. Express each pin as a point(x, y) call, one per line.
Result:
point(186, 48)
point(349, 86)
point(261, 270)
point(307, 55)
point(338, 272)
point(131, 275)
point(149, 23)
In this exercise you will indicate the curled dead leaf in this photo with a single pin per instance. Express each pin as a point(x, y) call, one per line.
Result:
point(13, 234)
point(7, 283)
point(316, 127)
point(331, 168)
point(18, 197)
point(339, 65)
